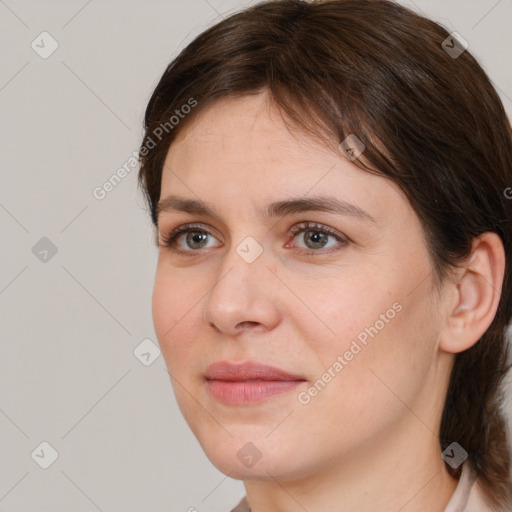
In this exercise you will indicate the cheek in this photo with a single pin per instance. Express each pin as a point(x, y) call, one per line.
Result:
point(163, 307)
point(365, 391)
point(378, 329)
point(386, 353)
point(356, 310)
point(172, 310)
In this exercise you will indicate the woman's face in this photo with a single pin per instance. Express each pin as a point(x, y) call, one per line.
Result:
point(344, 305)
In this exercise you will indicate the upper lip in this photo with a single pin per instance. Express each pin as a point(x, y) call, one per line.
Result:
point(224, 370)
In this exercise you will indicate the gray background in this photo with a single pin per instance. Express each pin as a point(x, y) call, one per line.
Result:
point(70, 324)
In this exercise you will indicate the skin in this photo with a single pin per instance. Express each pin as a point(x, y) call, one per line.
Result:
point(369, 438)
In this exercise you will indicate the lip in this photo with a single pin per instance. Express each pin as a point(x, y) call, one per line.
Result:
point(224, 370)
point(248, 383)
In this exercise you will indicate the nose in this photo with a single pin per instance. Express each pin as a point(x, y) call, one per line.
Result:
point(244, 294)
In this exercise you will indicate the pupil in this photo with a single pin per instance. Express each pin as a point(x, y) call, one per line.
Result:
point(316, 235)
point(193, 237)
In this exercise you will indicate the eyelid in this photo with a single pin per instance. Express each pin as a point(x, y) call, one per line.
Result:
point(170, 240)
point(183, 228)
point(315, 226)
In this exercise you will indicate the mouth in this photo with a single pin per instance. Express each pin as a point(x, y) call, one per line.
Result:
point(248, 383)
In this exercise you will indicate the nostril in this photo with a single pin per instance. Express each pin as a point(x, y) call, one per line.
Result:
point(214, 326)
point(243, 325)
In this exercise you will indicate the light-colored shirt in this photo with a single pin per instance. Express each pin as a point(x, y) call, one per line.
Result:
point(468, 496)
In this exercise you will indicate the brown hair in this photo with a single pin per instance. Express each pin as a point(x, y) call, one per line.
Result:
point(430, 121)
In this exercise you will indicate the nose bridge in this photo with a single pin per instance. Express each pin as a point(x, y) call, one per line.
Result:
point(244, 266)
point(243, 288)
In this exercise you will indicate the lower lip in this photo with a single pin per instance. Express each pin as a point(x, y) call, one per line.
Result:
point(247, 392)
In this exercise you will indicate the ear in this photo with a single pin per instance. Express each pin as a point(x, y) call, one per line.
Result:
point(474, 294)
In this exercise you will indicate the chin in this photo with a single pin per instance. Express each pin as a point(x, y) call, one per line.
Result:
point(259, 459)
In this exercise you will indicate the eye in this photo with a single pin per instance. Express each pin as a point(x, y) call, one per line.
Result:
point(193, 236)
point(190, 239)
point(316, 236)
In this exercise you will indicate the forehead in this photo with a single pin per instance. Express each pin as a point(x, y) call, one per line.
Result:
point(244, 136)
point(241, 147)
point(232, 127)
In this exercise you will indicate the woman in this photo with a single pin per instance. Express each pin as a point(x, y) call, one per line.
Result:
point(328, 182)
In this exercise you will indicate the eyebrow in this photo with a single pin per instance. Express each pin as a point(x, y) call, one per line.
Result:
point(276, 209)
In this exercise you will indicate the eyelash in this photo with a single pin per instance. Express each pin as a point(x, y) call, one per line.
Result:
point(170, 241)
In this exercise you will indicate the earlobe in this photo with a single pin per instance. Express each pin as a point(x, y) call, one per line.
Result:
point(478, 294)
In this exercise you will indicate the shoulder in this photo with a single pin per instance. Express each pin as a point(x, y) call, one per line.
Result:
point(469, 496)
point(243, 506)
point(477, 501)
